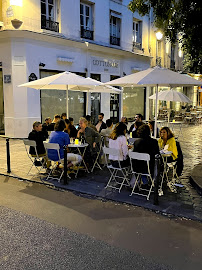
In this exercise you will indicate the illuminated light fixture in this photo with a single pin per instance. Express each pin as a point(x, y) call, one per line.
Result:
point(180, 53)
point(159, 35)
point(16, 3)
point(42, 64)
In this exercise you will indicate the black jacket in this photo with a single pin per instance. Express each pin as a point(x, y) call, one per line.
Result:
point(38, 137)
point(149, 146)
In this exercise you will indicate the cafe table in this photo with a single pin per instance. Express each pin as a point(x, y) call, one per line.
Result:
point(165, 155)
point(173, 126)
point(79, 147)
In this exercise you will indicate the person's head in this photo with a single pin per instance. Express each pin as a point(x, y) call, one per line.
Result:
point(138, 124)
point(166, 133)
point(59, 125)
point(63, 116)
point(124, 120)
point(119, 130)
point(83, 123)
point(37, 126)
point(143, 131)
point(88, 118)
point(109, 123)
point(138, 117)
point(48, 120)
point(67, 123)
point(100, 117)
point(151, 125)
point(71, 120)
point(56, 118)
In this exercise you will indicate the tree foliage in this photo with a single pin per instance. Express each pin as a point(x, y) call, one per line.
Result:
point(178, 19)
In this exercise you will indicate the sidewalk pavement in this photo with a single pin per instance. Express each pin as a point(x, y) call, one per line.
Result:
point(185, 203)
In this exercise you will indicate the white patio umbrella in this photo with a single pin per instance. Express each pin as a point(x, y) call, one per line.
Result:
point(155, 77)
point(171, 95)
point(70, 81)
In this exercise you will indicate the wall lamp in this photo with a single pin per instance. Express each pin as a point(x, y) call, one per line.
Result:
point(124, 74)
point(42, 64)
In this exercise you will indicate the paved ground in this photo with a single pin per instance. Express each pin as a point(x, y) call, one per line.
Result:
point(186, 202)
point(46, 229)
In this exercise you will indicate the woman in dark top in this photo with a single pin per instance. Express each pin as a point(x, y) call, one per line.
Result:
point(70, 129)
point(145, 144)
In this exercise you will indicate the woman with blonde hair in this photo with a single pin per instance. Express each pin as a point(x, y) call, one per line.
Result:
point(167, 138)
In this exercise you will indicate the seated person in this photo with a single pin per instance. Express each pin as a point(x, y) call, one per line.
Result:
point(88, 118)
point(71, 121)
point(107, 132)
point(135, 132)
point(39, 137)
point(45, 126)
point(125, 121)
point(64, 116)
point(118, 140)
point(71, 130)
point(100, 124)
point(91, 137)
point(145, 144)
point(167, 138)
point(52, 125)
point(151, 126)
point(138, 118)
point(62, 138)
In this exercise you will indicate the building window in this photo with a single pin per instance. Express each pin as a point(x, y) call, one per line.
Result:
point(86, 21)
point(48, 15)
point(115, 28)
point(137, 35)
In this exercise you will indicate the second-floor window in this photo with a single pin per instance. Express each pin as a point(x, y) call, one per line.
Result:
point(48, 15)
point(86, 21)
point(115, 29)
point(137, 35)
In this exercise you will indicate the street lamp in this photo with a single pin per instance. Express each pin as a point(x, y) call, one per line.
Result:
point(159, 36)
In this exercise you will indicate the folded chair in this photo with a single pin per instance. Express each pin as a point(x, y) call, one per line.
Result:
point(56, 147)
point(96, 163)
point(33, 158)
point(119, 176)
point(145, 158)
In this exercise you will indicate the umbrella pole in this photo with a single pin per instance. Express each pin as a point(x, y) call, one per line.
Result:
point(155, 126)
point(87, 100)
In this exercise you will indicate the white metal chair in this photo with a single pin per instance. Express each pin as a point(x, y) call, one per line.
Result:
point(118, 180)
point(33, 158)
point(145, 158)
point(56, 147)
point(96, 163)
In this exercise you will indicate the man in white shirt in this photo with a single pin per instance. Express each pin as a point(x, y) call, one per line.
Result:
point(107, 132)
point(100, 124)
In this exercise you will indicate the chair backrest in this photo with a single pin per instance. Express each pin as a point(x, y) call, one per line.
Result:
point(139, 156)
point(111, 151)
point(52, 146)
point(29, 143)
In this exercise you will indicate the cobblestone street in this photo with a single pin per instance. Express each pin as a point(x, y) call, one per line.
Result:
point(191, 147)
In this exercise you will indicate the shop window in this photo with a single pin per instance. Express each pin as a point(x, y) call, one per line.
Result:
point(86, 21)
point(48, 15)
point(133, 101)
point(115, 28)
point(114, 104)
point(55, 101)
point(137, 35)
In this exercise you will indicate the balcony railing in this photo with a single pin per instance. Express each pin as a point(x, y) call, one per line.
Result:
point(158, 61)
point(137, 45)
point(49, 25)
point(114, 41)
point(87, 34)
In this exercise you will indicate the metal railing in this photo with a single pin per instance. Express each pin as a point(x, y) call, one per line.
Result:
point(137, 45)
point(87, 34)
point(49, 25)
point(114, 41)
point(158, 61)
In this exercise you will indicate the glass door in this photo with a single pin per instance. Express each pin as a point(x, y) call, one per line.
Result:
point(114, 104)
point(95, 100)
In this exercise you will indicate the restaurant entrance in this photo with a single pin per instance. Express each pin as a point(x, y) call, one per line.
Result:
point(1, 104)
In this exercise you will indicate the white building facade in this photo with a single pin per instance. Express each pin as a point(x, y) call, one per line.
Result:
point(101, 39)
